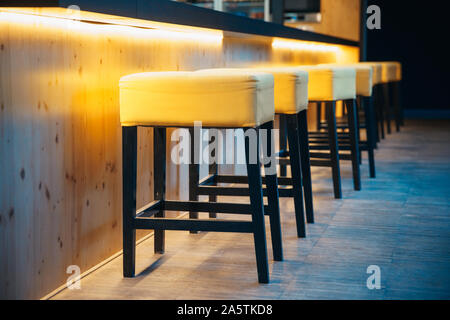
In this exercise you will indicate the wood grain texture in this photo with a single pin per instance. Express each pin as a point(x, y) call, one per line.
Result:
point(340, 18)
point(60, 143)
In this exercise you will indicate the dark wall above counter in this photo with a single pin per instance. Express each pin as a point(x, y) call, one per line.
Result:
point(185, 14)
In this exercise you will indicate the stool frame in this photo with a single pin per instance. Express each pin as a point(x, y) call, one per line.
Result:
point(298, 159)
point(287, 126)
point(388, 107)
point(395, 90)
point(328, 141)
point(208, 186)
point(368, 123)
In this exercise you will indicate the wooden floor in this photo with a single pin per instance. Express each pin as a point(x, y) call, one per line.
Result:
point(400, 222)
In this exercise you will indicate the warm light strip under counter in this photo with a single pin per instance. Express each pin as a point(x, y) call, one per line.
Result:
point(91, 22)
point(339, 53)
point(278, 43)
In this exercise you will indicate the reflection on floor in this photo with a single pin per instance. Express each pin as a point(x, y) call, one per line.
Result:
point(400, 222)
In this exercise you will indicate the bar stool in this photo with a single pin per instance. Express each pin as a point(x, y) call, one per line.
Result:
point(387, 75)
point(328, 85)
point(291, 102)
point(364, 89)
point(377, 100)
point(179, 99)
point(391, 77)
point(385, 72)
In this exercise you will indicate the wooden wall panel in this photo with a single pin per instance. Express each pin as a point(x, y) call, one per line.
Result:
point(60, 138)
point(340, 18)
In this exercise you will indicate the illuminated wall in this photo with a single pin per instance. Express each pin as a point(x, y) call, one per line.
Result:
point(340, 18)
point(295, 52)
point(60, 136)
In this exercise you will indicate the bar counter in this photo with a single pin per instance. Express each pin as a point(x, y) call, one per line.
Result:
point(60, 135)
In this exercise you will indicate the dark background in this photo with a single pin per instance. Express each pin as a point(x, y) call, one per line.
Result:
point(416, 33)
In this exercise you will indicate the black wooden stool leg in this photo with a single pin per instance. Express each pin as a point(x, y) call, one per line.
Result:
point(354, 142)
point(256, 201)
point(358, 130)
point(398, 90)
point(319, 116)
point(283, 143)
point(375, 100)
point(159, 176)
point(194, 172)
point(334, 148)
point(129, 172)
point(306, 165)
point(396, 103)
point(370, 132)
point(213, 170)
point(387, 107)
point(296, 171)
point(272, 192)
point(380, 107)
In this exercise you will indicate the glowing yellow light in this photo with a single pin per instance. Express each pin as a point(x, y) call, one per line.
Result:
point(303, 45)
point(90, 22)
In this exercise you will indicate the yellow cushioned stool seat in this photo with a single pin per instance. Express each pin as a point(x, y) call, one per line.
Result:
point(220, 99)
point(328, 83)
point(392, 71)
point(377, 71)
point(398, 69)
point(364, 77)
point(290, 86)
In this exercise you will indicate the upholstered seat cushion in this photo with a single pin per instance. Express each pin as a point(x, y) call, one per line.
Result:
point(290, 87)
point(388, 72)
point(391, 71)
point(377, 70)
point(364, 77)
point(398, 71)
point(220, 99)
point(328, 83)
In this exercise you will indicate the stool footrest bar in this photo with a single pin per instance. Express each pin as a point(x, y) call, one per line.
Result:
point(282, 153)
point(342, 155)
point(208, 180)
point(320, 155)
point(347, 157)
point(196, 206)
point(321, 163)
point(149, 209)
point(222, 191)
point(238, 192)
point(244, 179)
point(215, 225)
point(324, 147)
